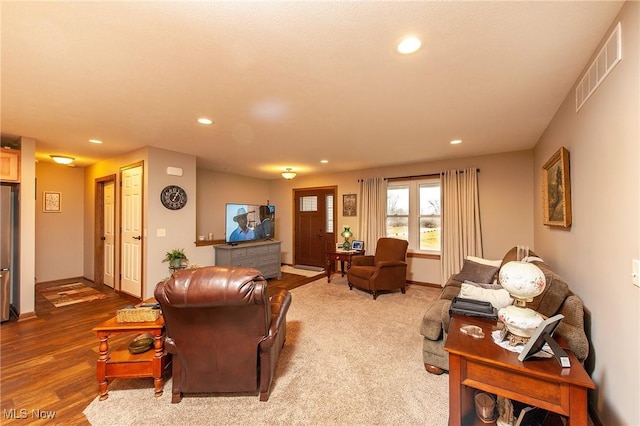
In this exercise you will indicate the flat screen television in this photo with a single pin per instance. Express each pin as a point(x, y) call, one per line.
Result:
point(249, 222)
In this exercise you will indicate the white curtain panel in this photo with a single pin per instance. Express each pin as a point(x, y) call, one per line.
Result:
point(372, 208)
point(461, 231)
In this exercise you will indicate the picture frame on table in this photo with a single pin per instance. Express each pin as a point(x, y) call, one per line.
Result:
point(556, 190)
point(537, 340)
point(349, 207)
point(51, 202)
point(357, 245)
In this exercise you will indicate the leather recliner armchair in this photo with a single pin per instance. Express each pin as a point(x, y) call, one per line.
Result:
point(387, 270)
point(223, 329)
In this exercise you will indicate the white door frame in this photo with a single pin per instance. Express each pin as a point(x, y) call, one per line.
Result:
point(100, 256)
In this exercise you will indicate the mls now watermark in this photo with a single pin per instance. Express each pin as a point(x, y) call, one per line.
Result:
point(23, 413)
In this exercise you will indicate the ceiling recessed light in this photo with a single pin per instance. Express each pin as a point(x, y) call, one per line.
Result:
point(324, 161)
point(456, 141)
point(97, 141)
point(204, 121)
point(409, 45)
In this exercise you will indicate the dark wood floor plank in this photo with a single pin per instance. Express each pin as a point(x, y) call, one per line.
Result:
point(49, 363)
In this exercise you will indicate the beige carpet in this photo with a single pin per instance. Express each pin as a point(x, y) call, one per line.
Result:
point(348, 360)
point(70, 294)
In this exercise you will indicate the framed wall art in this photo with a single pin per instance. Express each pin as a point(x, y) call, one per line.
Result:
point(349, 205)
point(556, 190)
point(51, 202)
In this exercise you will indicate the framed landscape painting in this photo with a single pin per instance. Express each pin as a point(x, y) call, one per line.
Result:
point(556, 190)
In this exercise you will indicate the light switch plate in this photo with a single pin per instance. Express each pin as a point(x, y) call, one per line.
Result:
point(635, 270)
point(161, 232)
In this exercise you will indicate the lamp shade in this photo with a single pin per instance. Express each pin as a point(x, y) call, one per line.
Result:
point(522, 280)
point(347, 232)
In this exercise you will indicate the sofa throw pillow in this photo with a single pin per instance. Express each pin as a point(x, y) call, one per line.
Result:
point(496, 263)
point(483, 261)
point(476, 272)
point(482, 285)
point(498, 298)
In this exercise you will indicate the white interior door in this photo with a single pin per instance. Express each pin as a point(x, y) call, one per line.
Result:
point(131, 265)
point(109, 233)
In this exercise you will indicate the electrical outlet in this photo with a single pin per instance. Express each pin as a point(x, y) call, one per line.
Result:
point(635, 270)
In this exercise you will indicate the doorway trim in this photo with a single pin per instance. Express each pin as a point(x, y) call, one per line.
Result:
point(98, 247)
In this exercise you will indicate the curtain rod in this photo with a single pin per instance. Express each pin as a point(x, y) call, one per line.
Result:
point(431, 175)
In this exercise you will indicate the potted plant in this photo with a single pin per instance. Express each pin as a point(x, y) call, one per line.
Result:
point(175, 258)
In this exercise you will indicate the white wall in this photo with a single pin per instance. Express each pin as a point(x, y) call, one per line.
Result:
point(214, 190)
point(506, 182)
point(594, 256)
point(178, 225)
point(27, 295)
point(59, 236)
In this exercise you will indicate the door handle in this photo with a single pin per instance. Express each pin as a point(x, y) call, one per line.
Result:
point(137, 238)
point(321, 234)
point(103, 238)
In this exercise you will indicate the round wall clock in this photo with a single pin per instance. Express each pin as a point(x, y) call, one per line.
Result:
point(173, 197)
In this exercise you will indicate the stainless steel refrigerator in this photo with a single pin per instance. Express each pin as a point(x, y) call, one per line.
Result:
point(8, 247)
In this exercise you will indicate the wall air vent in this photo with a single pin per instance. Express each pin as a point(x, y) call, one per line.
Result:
point(608, 57)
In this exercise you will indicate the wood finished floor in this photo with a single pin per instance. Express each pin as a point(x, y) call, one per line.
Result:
point(48, 364)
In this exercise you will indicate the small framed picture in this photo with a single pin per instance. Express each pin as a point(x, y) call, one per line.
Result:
point(51, 202)
point(349, 207)
point(357, 245)
point(537, 340)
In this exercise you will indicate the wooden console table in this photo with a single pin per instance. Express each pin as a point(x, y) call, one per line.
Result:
point(120, 363)
point(342, 256)
point(482, 364)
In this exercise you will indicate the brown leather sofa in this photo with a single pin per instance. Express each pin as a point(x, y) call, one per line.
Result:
point(386, 271)
point(223, 330)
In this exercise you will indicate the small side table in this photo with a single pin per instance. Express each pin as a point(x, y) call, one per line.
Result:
point(483, 365)
point(342, 256)
point(120, 363)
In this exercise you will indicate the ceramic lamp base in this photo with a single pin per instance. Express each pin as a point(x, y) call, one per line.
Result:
point(520, 322)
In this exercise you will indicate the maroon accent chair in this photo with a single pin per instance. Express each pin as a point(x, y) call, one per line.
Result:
point(385, 271)
point(224, 331)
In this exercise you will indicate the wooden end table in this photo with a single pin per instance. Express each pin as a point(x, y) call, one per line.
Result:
point(120, 363)
point(342, 256)
point(482, 364)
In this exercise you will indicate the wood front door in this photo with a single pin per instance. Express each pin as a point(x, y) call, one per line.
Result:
point(314, 218)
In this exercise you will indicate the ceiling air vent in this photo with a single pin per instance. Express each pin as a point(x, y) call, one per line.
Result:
point(608, 57)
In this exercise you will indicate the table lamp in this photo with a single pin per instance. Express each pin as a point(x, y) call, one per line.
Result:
point(523, 281)
point(346, 234)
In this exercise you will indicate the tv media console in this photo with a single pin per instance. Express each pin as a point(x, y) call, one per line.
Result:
point(262, 255)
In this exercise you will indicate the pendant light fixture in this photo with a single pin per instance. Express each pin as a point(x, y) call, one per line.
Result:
point(289, 173)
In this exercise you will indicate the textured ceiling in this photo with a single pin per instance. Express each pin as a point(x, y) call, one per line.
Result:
point(290, 83)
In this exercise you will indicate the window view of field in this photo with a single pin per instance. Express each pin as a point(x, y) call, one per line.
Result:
point(402, 224)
